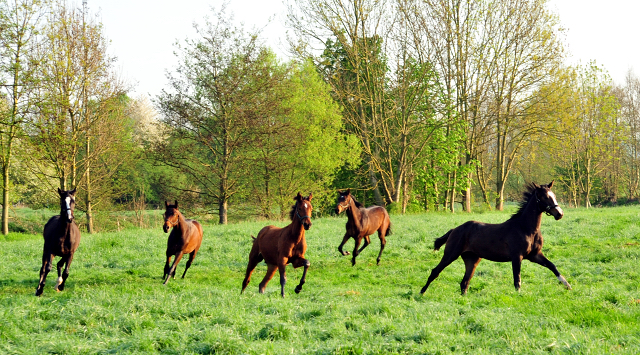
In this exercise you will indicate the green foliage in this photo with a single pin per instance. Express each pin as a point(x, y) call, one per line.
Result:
point(114, 301)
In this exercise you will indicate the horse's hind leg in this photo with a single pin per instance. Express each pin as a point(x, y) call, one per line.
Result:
point(542, 260)
point(470, 262)
point(255, 257)
point(191, 257)
point(383, 242)
point(65, 274)
point(296, 264)
point(271, 270)
point(451, 253)
point(282, 264)
point(47, 265)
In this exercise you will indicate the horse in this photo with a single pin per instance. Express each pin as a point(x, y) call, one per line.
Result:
point(361, 223)
point(185, 238)
point(513, 240)
point(281, 246)
point(61, 238)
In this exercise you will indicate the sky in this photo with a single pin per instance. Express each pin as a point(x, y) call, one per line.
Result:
point(143, 33)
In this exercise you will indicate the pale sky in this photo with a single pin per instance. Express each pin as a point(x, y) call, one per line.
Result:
point(142, 32)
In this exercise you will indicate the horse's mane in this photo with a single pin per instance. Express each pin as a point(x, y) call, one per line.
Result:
point(530, 188)
point(358, 204)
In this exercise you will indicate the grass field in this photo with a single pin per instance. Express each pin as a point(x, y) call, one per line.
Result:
point(114, 301)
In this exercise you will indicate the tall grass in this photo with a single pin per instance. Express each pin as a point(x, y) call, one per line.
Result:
point(114, 301)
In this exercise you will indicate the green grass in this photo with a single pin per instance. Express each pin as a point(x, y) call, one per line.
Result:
point(114, 301)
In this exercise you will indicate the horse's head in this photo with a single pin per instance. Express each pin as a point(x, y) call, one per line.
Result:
point(302, 210)
point(547, 202)
point(343, 201)
point(170, 216)
point(67, 203)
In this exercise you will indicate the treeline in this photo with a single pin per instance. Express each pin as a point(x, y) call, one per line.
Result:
point(416, 105)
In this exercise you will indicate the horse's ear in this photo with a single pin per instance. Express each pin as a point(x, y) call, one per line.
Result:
point(73, 192)
point(166, 204)
point(176, 204)
point(298, 197)
point(310, 197)
point(59, 191)
point(551, 184)
point(348, 192)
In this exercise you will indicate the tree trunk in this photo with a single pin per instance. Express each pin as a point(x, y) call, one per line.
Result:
point(453, 192)
point(222, 211)
point(5, 200)
point(466, 197)
point(89, 212)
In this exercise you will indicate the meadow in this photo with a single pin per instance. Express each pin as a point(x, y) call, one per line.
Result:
point(114, 302)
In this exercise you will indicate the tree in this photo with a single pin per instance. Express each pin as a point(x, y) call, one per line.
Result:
point(80, 120)
point(225, 82)
point(19, 29)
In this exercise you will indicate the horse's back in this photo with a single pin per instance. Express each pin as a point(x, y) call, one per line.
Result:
point(486, 240)
point(377, 218)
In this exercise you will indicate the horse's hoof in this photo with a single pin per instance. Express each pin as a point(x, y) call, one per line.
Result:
point(424, 289)
point(298, 289)
point(38, 293)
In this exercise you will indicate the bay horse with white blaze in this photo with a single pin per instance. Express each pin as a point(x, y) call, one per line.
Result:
point(281, 246)
point(361, 223)
point(61, 238)
point(516, 239)
point(185, 238)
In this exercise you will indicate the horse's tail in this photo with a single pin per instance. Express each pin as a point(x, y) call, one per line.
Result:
point(440, 241)
point(389, 232)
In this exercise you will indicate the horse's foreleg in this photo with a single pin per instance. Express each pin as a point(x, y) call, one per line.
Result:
point(47, 265)
point(65, 274)
point(282, 264)
point(301, 262)
point(59, 268)
point(167, 266)
point(383, 242)
point(471, 261)
point(344, 240)
point(542, 260)
point(271, 270)
point(172, 270)
point(355, 251)
point(191, 257)
point(516, 263)
point(367, 241)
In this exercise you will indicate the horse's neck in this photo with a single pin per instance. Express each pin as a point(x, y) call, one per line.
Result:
point(355, 214)
point(297, 230)
point(531, 217)
point(182, 223)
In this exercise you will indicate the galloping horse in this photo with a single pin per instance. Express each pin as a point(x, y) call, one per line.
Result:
point(361, 223)
point(516, 239)
point(61, 238)
point(185, 238)
point(281, 246)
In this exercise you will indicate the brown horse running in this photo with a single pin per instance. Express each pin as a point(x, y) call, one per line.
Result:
point(281, 246)
point(185, 238)
point(516, 239)
point(361, 223)
point(61, 238)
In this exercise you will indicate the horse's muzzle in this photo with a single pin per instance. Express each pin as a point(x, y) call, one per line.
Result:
point(557, 213)
point(306, 226)
point(165, 228)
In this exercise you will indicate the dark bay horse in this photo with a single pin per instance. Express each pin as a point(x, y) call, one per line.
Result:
point(61, 238)
point(516, 239)
point(361, 223)
point(281, 246)
point(185, 238)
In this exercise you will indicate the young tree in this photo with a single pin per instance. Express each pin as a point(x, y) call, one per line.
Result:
point(226, 80)
point(19, 30)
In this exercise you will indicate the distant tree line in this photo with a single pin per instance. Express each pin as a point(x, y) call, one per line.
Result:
point(416, 105)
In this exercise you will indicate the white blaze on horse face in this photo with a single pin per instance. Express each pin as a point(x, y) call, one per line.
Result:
point(553, 197)
point(305, 205)
point(68, 202)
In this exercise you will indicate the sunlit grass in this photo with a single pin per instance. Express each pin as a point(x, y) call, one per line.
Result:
point(114, 301)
